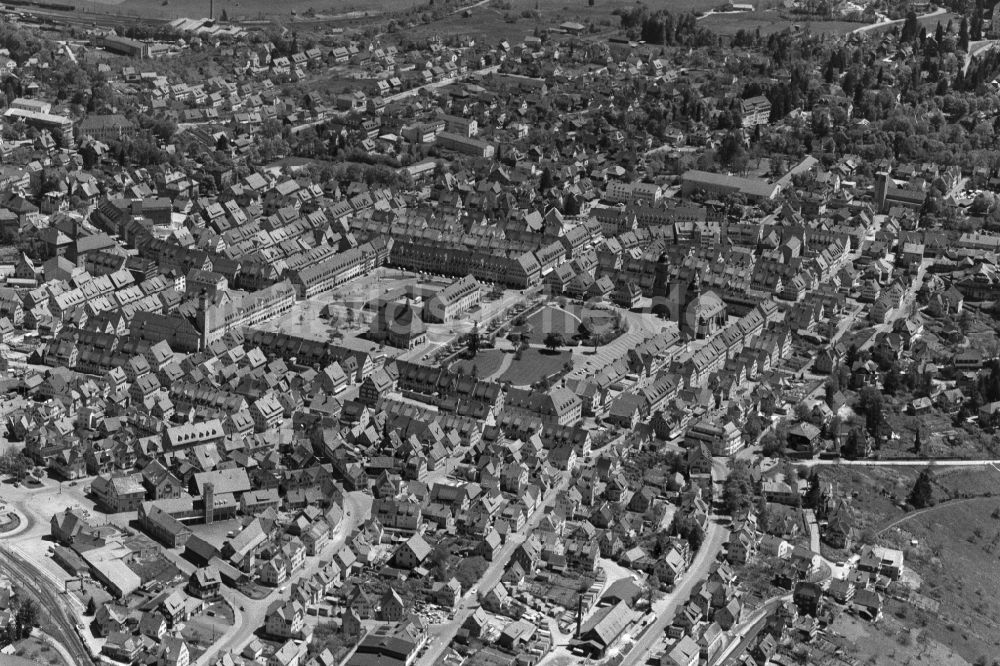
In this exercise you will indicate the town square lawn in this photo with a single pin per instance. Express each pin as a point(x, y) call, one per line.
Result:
point(534, 365)
point(486, 362)
point(551, 319)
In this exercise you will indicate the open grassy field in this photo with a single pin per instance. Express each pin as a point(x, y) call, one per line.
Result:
point(514, 20)
point(244, 9)
point(956, 556)
point(957, 482)
point(553, 320)
point(37, 650)
point(876, 490)
point(487, 362)
point(533, 365)
point(889, 643)
point(770, 21)
point(493, 22)
point(931, 23)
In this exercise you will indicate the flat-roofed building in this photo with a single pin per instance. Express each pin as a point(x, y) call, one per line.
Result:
point(33, 105)
point(720, 184)
point(465, 145)
point(755, 111)
point(124, 46)
point(60, 127)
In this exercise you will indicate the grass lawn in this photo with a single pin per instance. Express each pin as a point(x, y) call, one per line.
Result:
point(503, 19)
point(38, 651)
point(553, 320)
point(954, 482)
point(534, 365)
point(9, 522)
point(889, 643)
point(486, 363)
point(770, 22)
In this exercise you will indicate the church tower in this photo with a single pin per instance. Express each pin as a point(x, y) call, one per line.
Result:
point(209, 499)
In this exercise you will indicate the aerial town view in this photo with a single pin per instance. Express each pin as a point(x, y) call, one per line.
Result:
point(499, 333)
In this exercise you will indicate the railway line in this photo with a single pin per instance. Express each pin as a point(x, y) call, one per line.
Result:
point(62, 627)
point(72, 16)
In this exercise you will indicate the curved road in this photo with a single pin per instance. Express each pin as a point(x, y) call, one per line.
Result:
point(251, 617)
point(920, 512)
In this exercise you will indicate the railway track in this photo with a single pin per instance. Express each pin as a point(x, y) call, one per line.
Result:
point(62, 626)
point(76, 17)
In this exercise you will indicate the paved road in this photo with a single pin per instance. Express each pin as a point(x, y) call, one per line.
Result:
point(747, 632)
point(440, 84)
point(715, 537)
point(916, 462)
point(889, 24)
point(61, 629)
point(813, 530)
point(472, 6)
point(975, 49)
point(641, 327)
point(490, 577)
point(249, 614)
